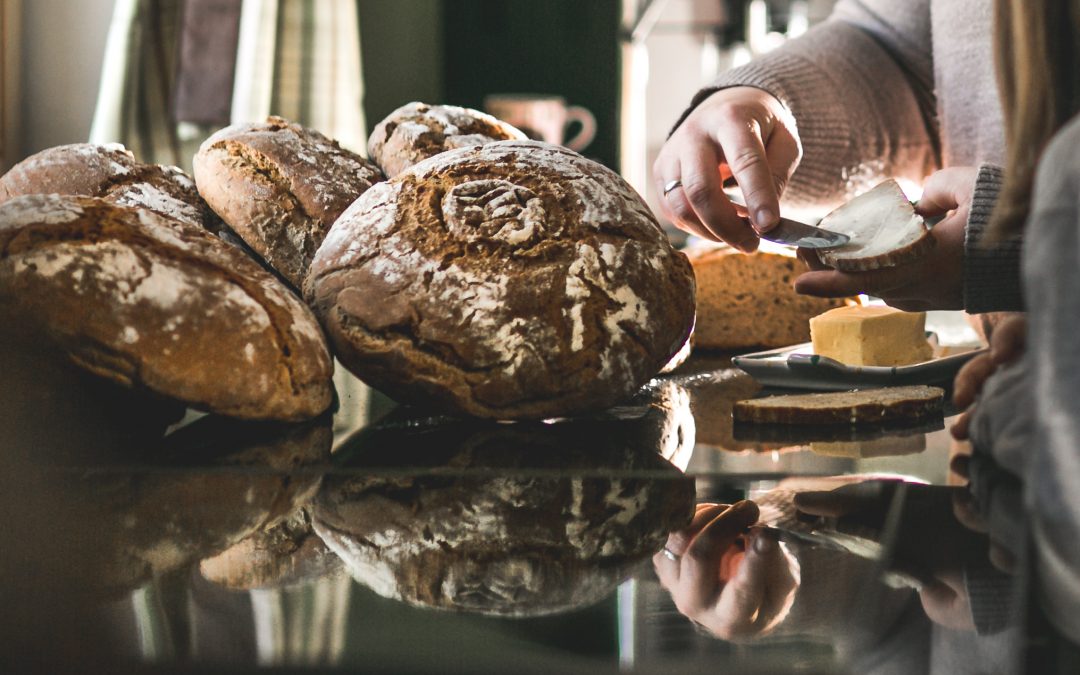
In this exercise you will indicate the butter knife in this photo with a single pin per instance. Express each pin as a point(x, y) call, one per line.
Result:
point(793, 233)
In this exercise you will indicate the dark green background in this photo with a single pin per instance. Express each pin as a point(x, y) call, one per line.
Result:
point(459, 51)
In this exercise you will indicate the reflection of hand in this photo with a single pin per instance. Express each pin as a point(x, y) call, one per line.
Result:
point(742, 132)
point(934, 281)
point(1006, 346)
point(733, 593)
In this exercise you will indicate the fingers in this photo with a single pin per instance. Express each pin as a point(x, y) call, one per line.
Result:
point(947, 190)
point(699, 573)
point(1007, 341)
point(844, 500)
point(811, 259)
point(970, 379)
point(698, 204)
point(829, 283)
point(961, 428)
point(740, 140)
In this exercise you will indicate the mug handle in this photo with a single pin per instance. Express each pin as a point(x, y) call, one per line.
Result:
point(586, 134)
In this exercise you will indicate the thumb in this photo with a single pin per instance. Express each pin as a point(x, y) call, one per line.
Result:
point(945, 191)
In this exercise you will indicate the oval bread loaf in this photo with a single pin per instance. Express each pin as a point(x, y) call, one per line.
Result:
point(150, 302)
point(280, 186)
point(416, 131)
point(510, 280)
point(112, 173)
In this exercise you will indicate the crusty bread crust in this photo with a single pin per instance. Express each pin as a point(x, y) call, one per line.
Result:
point(749, 301)
point(150, 302)
point(900, 256)
point(112, 173)
point(280, 186)
point(416, 131)
point(510, 280)
point(876, 406)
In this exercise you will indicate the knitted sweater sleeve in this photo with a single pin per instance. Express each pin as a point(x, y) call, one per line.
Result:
point(860, 86)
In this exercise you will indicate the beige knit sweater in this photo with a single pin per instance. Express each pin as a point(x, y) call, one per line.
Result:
point(896, 88)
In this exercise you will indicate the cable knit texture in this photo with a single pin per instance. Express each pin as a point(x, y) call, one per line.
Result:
point(894, 89)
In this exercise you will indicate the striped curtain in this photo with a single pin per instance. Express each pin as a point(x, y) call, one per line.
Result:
point(296, 58)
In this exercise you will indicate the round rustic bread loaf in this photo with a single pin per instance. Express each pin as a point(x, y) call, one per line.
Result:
point(416, 131)
point(151, 302)
point(111, 173)
point(510, 280)
point(280, 186)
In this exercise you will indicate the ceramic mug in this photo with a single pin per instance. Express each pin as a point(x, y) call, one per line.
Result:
point(544, 118)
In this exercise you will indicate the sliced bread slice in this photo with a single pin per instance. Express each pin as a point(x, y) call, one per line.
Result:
point(844, 407)
point(885, 231)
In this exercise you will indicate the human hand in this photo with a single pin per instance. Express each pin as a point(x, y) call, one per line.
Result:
point(732, 591)
point(1006, 346)
point(739, 132)
point(934, 281)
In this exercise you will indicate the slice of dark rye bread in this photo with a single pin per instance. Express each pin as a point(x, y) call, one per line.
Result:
point(885, 231)
point(152, 303)
point(862, 406)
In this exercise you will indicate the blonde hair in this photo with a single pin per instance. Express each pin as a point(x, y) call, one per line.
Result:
point(1037, 43)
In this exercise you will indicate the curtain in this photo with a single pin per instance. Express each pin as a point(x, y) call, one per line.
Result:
point(169, 66)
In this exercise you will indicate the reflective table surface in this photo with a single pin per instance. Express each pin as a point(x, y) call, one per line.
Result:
point(386, 539)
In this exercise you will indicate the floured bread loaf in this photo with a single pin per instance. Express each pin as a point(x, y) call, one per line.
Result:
point(416, 131)
point(747, 300)
point(510, 280)
point(152, 303)
point(845, 407)
point(280, 186)
point(113, 174)
point(885, 231)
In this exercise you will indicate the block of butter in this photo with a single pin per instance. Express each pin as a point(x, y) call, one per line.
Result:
point(871, 336)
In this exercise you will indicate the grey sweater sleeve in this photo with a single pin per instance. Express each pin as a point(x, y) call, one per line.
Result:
point(991, 273)
point(860, 87)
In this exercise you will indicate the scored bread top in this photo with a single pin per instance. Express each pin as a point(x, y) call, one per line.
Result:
point(844, 407)
point(153, 303)
point(112, 173)
point(884, 229)
point(416, 131)
point(280, 186)
point(513, 279)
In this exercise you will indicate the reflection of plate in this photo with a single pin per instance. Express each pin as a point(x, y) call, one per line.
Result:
point(797, 367)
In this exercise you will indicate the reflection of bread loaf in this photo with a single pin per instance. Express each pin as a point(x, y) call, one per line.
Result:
point(126, 526)
point(498, 533)
point(866, 406)
point(287, 554)
point(280, 186)
point(510, 280)
point(153, 303)
point(748, 300)
point(416, 131)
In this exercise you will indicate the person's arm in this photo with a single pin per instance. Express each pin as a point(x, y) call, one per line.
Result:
point(1051, 268)
point(860, 86)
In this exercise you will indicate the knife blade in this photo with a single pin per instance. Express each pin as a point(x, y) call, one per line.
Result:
point(793, 233)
